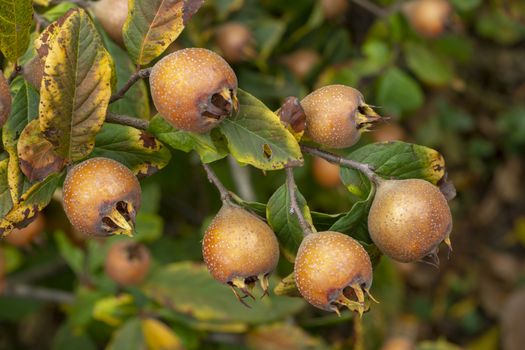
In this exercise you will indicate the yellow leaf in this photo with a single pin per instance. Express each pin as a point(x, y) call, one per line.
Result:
point(158, 336)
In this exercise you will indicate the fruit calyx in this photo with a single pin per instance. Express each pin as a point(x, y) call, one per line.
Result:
point(220, 105)
point(246, 285)
point(366, 118)
point(344, 299)
point(120, 220)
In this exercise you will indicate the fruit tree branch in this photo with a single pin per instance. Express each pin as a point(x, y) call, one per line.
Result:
point(373, 8)
point(114, 118)
point(294, 206)
point(366, 169)
point(19, 290)
point(141, 74)
point(226, 197)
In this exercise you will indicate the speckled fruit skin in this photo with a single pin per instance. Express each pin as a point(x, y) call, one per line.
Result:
point(325, 173)
point(5, 100)
point(428, 17)
point(183, 85)
point(112, 15)
point(328, 262)
point(239, 244)
point(93, 188)
point(331, 115)
point(408, 219)
point(233, 39)
point(24, 236)
point(127, 263)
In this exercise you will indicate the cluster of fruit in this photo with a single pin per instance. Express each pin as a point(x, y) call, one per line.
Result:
point(194, 90)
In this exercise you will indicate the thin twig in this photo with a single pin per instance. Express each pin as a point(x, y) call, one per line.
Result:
point(38, 272)
point(373, 8)
point(141, 74)
point(294, 206)
point(226, 197)
point(366, 169)
point(80, 3)
point(241, 178)
point(16, 72)
point(19, 290)
point(41, 22)
point(114, 118)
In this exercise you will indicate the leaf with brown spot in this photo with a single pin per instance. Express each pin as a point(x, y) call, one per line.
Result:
point(152, 25)
point(23, 111)
point(5, 195)
point(16, 18)
point(5, 100)
point(256, 136)
point(36, 155)
point(76, 87)
point(36, 198)
point(134, 148)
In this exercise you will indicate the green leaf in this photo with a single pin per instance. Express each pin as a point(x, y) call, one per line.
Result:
point(73, 255)
point(348, 224)
point(397, 160)
point(135, 102)
point(398, 93)
point(209, 146)
point(24, 110)
point(256, 136)
point(113, 310)
point(188, 288)
point(134, 148)
point(128, 337)
point(428, 66)
point(76, 86)
point(16, 18)
point(31, 202)
point(152, 25)
point(148, 227)
point(68, 338)
point(284, 223)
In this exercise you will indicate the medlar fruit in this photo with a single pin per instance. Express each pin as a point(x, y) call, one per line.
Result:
point(112, 15)
point(336, 115)
point(330, 268)
point(22, 237)
point(235, 41)
point(240, 249)
point(102, 197)
point(428, 17)
point(127, 263)
point(194, 89)
point(408, 219)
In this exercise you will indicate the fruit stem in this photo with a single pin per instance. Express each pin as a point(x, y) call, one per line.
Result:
point(294, 206)
point(226, 197)
point(141, 74)
point(366, 169)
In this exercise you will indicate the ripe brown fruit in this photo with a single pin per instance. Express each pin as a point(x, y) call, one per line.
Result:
point(235, 42)
point(301, 62)
point(240, 249)
point(325, 173)
point(127, 263)
point(428, 17)
point(194, 89)
point(329, 268)
point(334, 8)
point(24, 236)
point(112, 15)
point(5, 100)
point(408, 219)
point(336, 115)
point(102, 197)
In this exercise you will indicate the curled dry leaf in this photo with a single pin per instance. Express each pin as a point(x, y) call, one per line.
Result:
point(37, 158)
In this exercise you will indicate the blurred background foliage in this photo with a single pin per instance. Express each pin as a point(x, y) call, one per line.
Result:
point(461, 91)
